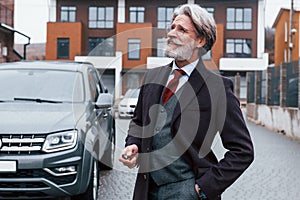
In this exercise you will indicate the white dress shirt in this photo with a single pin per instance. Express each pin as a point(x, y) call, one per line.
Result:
point(188, 69)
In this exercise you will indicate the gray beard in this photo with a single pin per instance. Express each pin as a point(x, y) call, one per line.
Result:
point(181, 53)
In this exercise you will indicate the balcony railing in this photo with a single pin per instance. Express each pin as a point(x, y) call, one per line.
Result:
point(6, 15)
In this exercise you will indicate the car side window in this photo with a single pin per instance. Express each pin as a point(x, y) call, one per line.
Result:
point(94, 85)
point(98, 81)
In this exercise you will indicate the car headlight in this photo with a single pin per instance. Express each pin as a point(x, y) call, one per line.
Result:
point(60, 141)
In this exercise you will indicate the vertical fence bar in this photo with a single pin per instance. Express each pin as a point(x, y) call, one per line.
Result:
point(257, 82)
point(283, 84)
point(250, 87)
point(269, 86)
point(237, 88)
point(299, 83)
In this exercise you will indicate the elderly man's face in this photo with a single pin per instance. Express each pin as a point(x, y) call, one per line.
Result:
point(182, 39)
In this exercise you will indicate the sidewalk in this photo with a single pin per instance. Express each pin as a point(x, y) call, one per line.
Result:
point(274, 174)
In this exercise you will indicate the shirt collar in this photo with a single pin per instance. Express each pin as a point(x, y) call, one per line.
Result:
point(188, 69)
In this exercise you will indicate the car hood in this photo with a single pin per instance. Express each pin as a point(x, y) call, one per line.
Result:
point(38, 117)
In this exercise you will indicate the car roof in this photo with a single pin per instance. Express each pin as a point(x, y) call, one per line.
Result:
point(51, 65)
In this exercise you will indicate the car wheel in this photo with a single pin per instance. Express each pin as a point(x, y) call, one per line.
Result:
point(92, 191)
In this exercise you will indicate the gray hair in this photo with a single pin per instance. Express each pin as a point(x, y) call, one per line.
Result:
point(203, 22)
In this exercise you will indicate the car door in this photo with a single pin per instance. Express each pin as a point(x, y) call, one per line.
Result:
point(102, 115)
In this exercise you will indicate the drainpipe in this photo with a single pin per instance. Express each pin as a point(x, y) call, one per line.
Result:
point(25, 45)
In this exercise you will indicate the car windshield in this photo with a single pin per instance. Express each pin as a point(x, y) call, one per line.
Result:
point(132, 93)
point(41, 85)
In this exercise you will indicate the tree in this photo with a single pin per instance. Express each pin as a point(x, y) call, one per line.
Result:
point(269, 43)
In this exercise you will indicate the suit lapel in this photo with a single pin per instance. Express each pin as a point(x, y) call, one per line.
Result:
point(158, 83)
point(191, 88)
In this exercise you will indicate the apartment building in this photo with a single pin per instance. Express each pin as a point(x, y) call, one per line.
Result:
point(285, 49)
point(124, 38)
point(7, 33)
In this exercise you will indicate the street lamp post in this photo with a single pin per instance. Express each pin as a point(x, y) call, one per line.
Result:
point(292, 31)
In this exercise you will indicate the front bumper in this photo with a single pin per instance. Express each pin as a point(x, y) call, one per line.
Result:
point(35, 176)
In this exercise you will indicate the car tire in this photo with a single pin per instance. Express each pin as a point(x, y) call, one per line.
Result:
point(92, 190)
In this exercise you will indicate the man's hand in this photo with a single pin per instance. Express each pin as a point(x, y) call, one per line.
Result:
point(129, 156)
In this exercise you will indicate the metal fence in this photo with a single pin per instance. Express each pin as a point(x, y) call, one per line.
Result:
point(276, 86)
point(274, 90)
point(292, 83)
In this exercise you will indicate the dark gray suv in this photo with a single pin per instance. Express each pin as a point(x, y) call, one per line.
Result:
point(56, 130)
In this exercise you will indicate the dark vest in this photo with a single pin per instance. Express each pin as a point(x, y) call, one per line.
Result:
point(165, 159)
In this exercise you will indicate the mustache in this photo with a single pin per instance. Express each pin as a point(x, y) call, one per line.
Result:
point(174, 41)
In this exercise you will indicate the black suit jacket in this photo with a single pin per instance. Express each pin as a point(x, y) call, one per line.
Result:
point(206, 106)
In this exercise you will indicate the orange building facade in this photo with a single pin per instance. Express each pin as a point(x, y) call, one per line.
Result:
point(283, 44)
point(98, 30)
point(64, 30)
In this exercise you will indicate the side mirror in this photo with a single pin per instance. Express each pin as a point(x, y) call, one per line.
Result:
point(105, 100)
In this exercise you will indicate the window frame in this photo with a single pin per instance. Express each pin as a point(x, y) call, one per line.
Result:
point(238, 21)
point(102, 22)
point(166, 20)
point(69, 10)
point(134, 41)
point(238, 43)
point(210, 10)
point(136, 10)
point(161, 44)
point(99, 40)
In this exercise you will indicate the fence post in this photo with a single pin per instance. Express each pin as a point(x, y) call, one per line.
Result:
point(248, 86)
point(283, 84)
point(299, 84)
point(237, 86)
point(268, 85)
point(257, 90)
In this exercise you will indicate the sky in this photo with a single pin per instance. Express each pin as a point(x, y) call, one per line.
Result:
point(31, 17)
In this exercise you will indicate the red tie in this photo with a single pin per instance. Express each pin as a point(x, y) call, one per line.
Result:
point(172, 85)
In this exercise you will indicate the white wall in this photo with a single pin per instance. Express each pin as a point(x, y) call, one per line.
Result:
point(52, 10)
point(244, 64)
point(153, 62)
point(279, 119)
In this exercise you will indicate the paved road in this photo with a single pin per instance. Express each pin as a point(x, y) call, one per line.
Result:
point(274, 174)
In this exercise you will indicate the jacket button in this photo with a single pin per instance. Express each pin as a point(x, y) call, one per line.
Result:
point(145, 176)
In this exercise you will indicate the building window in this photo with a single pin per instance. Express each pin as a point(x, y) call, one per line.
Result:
point(136, 14)
point(68, 14)
point(134, 47)
point(240, 48)
point(285, 32)
point(207, 56)
point(164, 16)
point(161, 47)
point(211, 11)
point(63, 46)
point(239, 18)
point(101, 17)
point(101, 46)
point(133, 81)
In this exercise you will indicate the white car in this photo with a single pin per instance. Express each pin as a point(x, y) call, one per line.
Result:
point(128, 103)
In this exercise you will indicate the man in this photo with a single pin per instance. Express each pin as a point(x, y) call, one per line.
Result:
point(180, 109)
